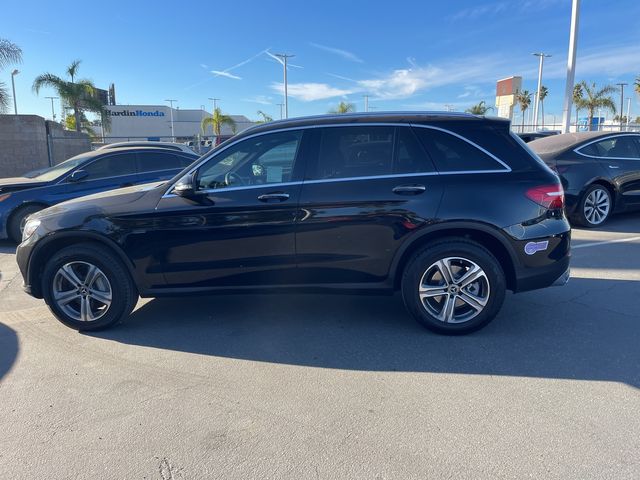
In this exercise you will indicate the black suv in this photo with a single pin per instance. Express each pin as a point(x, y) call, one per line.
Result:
point(450, 209)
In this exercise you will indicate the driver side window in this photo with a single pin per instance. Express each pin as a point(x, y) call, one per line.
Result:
point(260, 160)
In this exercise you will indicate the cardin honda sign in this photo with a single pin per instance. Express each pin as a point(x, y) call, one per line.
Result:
point(135, 113)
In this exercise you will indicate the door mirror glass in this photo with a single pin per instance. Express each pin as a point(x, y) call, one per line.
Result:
point(78, 175)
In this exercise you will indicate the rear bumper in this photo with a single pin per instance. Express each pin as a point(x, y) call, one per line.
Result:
point(556, 274)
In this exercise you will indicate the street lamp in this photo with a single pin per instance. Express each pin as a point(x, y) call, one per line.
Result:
point(283, 59)
point(280, 105)
point(571, 66)
point(621, 85)
point(53, 112)
point(537, 103)
point(366, 103)
point(171, 100)
point(13, 85)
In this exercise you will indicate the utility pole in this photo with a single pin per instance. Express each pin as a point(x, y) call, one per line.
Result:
point(621, 85)
point(628, 111)
point(53, 112)
point(537, 102)
point(171, 100)
point(13, 86)
point(366, 103)
point(571, 66)
point(280, 105)
point(215, 104)
point(283, 58)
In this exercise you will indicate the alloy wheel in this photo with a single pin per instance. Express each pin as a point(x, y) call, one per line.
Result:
point(82, 291)
point(454, 290)
point(597, 206)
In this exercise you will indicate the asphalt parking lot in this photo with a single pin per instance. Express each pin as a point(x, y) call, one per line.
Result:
point(328, 387)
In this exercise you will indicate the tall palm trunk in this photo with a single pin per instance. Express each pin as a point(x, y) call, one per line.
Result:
point(522, 125)
point(590, 119)
point(78, 117)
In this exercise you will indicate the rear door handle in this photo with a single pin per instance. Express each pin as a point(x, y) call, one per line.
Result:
point(409, 189)
point(274, 197)
point(614, 166)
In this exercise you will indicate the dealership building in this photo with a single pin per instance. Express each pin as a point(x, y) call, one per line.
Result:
point(153, 122)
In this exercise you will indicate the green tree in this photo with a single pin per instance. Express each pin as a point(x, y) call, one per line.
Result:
point(577, 98)
point(265, 118)
point(544, 92)
point(10, 54)
point(479, 109)
point(637, 85)
point(85, 125)
point(80, 95)
point(594, 98)
point(217, 121)
point(344, 107)
point(524, 101)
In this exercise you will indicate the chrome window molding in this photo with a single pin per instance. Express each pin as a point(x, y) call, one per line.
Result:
point(209, 155)
point(607, 137)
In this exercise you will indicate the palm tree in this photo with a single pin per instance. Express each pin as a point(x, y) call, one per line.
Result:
point(344, 107)
point(10, 53)
point(544, 91)
point(637, 85)
point(524, 100)
point(479, 109)
point(217, 120)
point(594, 98)
point(79, 95)
point(265, 117)
point(577, 97)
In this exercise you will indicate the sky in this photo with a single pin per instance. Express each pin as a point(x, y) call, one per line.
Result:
point(405, 55)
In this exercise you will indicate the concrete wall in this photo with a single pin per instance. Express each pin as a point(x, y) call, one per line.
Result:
point(23, 144)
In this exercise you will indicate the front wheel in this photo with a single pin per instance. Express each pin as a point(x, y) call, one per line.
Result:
point(453, 287)
point(595, 207)
point(88, 288)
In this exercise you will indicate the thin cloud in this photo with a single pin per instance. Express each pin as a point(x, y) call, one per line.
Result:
point(222, 73)
point(309, 92)
point(352, 57)
point(260, 99)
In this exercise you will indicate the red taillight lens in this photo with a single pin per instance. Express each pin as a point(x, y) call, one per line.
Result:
point(549, 196)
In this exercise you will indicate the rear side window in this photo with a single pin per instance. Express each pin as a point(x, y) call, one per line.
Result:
point(347, 152)
point(152, 161)
point(112, 166)
point(451, 153)
point(615, 147)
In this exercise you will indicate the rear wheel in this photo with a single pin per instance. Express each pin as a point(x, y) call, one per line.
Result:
point(453, 287)
point(19, 219)
point(87, 287)
point(595, 207)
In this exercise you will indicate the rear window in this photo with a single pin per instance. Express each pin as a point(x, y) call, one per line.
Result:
point(451, 153)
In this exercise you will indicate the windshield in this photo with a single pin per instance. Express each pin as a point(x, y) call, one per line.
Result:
point(58, 170)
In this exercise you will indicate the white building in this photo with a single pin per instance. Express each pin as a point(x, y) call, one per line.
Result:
point(153, 122)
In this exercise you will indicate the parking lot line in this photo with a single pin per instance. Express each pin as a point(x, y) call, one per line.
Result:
point(605, 242)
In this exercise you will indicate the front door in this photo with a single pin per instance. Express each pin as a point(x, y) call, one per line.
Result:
point(239, 228)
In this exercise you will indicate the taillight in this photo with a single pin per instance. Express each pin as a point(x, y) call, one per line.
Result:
point(549, 196)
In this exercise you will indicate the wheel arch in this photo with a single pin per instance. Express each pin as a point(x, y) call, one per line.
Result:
point(482, 234)
point(53, 243)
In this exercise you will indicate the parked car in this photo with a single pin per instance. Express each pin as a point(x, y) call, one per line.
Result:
point(83, 174)
point(600, 172)
point(450, 209)
point(531, 136)
point(180, 147)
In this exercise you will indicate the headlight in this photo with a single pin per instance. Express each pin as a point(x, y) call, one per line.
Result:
point(29, 228)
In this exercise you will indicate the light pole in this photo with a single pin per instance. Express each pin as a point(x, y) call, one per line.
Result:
point(53, 112)
point(283, 58)
point(621, 85)
point(280, 105)
point(171, 100)
point(628, 111)
point(537, 102)
point(13, 86)
point(366, 103)
point(571, 67)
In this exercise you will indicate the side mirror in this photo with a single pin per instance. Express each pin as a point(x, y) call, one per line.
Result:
point(78, 175)
point(186, 186)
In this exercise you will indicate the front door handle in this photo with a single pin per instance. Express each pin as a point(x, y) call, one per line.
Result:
point(274, 197)
point(409, 189)
point(614, 166)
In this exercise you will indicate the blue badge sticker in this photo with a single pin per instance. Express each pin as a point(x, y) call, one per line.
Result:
point(533, 247)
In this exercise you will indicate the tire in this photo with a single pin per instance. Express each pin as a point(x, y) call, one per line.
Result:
point(423, 277)
point(18, 219)
point(108, 292)
point(595, 207)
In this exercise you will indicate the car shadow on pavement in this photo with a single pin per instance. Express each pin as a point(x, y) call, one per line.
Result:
point(8, 349)
point(575, 332)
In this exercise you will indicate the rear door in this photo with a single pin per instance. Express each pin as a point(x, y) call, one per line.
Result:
point(365, 190)
point(160, 165)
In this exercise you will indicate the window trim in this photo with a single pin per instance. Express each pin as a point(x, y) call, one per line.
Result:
point(606, 137)
point(214, 153)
